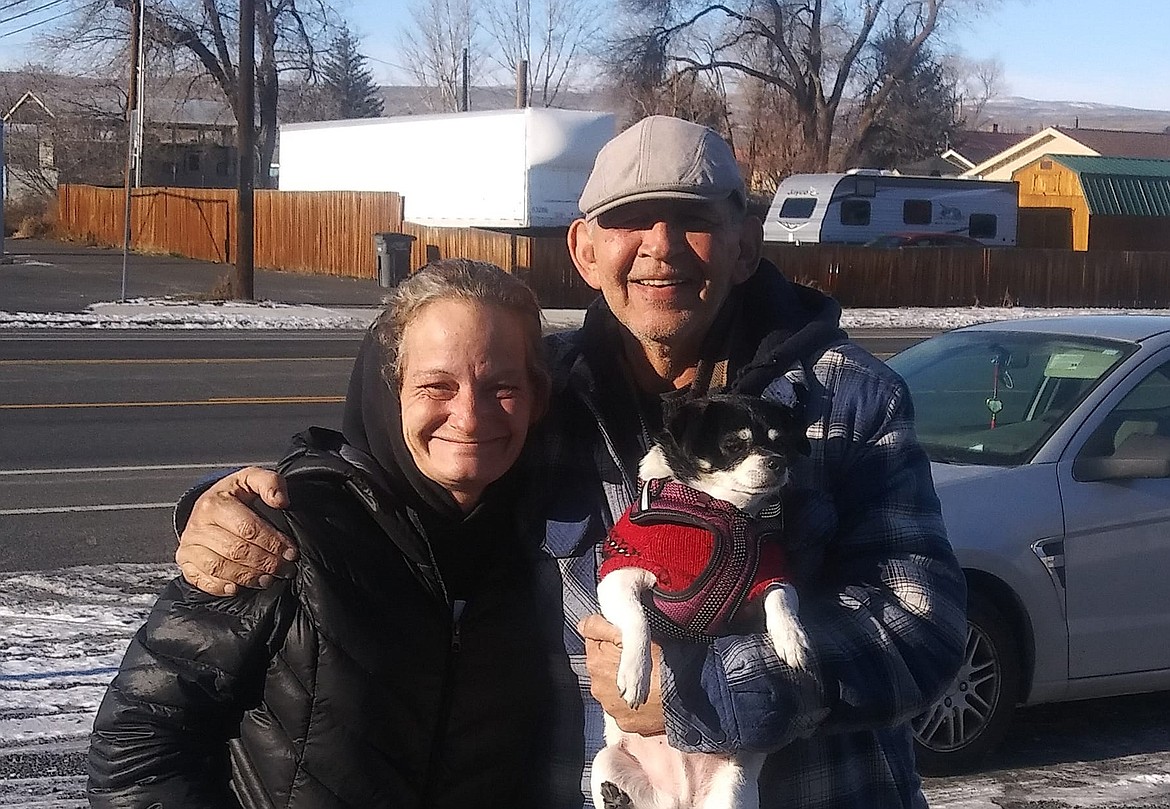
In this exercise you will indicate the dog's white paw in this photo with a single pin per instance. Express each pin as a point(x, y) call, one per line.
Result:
point(791, 643)
point(633, 676)
point(784, 628)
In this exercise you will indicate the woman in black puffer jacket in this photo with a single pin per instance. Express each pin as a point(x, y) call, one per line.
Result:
point(398, 666)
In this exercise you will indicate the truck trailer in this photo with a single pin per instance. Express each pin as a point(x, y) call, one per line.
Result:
point(520, 168)
point(863, 204)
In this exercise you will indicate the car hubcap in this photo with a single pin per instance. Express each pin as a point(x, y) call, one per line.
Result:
point(964, 710)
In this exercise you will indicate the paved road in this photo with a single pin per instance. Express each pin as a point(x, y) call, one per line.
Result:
point(99, 434)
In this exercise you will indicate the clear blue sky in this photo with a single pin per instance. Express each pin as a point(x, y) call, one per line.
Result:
point(1108, 51)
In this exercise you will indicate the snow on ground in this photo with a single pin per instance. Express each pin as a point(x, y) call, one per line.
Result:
point(167, 313)
point(62, 635)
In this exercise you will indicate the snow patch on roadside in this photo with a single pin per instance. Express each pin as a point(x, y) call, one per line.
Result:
point(64, 634)
point(168, 313)
point(186, 314)
point(1125, 781)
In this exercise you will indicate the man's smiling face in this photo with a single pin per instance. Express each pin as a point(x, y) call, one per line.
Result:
point(664, 266)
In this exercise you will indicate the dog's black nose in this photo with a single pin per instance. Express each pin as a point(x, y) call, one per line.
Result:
point(776, 463)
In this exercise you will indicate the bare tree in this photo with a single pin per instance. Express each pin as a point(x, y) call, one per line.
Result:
point(769, 139)
point(811, 51)
point(976, 82)
point(433, 49)
point(203, 35)
point(552, 36)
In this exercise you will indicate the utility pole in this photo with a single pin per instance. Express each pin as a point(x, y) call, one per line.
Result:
point(131, 130)
point(522, 84)
point(140, 95)
point(242, 281)
point(465, 94)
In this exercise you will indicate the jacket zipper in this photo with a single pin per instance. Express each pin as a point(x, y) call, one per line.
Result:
point(445, 703)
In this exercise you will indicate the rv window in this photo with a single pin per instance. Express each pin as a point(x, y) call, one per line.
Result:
point(917, 212)
point(983, 226)
point(855, 212)
point(866, 187)
point(798, 207)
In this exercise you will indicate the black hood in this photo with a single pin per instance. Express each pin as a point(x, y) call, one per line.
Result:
point(781, 324)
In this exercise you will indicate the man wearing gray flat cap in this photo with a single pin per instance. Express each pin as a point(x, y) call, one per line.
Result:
point(687, 308)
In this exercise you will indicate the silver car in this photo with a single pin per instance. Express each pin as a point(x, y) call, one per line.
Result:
point(1050, 446)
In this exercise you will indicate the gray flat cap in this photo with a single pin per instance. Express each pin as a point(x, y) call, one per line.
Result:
point(662, 158)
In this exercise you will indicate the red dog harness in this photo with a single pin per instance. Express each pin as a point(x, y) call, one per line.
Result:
point(709, 557)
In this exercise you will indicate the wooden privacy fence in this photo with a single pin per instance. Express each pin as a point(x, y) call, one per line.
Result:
point(326, 232)
point(332, 233)
point(859, 276)
point(540, 258)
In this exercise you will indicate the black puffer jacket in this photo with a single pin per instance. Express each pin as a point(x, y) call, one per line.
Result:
point(398, 668)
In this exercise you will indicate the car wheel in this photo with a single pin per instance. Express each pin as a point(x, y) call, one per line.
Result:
point(973, 715)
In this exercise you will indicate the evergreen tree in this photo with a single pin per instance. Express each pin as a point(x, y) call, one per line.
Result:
point(347, 84)
point(918, 117)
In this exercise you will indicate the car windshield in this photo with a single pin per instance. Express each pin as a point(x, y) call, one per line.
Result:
point(994, 397)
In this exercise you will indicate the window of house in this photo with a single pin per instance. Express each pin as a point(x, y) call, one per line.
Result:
point(798, 207)
point(983, 225)
point(192, 162)
point(917, 212)
point(855, 212)
point(1046, 165)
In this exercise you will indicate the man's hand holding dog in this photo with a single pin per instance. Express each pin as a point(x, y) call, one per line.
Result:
point(602, 655)
point(225, 545)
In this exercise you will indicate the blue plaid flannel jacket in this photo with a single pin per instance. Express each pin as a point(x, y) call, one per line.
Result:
point(884, 608)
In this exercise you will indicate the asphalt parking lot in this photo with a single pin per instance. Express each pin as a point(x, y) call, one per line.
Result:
point(53, 276)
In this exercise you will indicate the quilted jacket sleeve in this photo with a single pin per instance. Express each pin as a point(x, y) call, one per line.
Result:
point(161, 734)
point(885, 615)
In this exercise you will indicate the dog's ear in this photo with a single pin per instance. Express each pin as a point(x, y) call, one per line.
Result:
point(789, 422)
point(683, 416)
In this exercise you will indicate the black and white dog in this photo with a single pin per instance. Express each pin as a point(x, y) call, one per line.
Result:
point(700, 543)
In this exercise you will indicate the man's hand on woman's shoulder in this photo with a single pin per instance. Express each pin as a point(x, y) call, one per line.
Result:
point(226, 545)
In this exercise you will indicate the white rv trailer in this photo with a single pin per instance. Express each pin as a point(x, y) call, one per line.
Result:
point(862, 204)
point(502, 168)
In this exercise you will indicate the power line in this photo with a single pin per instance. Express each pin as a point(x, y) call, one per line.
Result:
point(40, 22)
point(41, 7)
point(12, 5)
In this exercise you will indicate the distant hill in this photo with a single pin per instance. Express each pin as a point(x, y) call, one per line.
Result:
point(1015, 114)
point(411, 100)
point(1010, 114)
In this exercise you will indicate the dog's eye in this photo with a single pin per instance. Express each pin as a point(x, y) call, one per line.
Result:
point(733, 445)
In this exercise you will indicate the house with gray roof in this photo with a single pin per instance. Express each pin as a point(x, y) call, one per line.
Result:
point(1062, 140)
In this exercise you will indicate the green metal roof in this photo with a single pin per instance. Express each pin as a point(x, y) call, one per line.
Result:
point(1122, 186)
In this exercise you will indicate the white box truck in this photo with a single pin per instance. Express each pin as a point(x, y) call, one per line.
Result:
point(517, 168)
point(860, 205)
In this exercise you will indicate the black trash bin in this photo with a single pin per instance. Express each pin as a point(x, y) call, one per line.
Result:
point(393, 251)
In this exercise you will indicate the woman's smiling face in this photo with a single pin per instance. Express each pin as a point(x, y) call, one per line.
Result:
point(467, 396)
